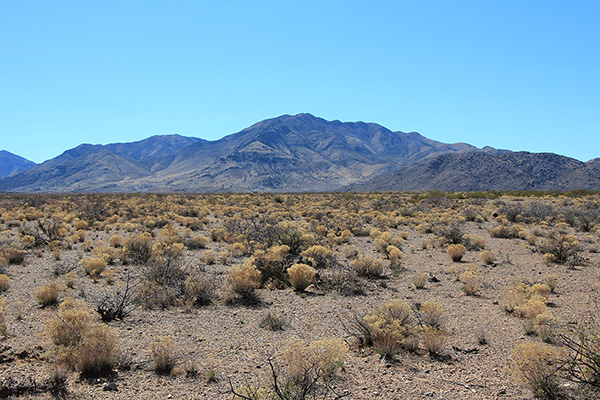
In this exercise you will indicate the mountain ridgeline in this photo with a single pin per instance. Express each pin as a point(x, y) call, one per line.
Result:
point(11, 164)
point(300, 153)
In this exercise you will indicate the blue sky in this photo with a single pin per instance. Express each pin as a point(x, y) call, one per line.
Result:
point(521, 75)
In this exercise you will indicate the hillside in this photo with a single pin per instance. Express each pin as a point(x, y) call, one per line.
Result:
point(287, 153)
point(477, 171)
point(11, 163)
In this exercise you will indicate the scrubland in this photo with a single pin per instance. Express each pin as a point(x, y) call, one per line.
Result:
point(300, 296)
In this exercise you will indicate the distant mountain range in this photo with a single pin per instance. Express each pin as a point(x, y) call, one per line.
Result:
point(11, 163)
point(296, 153)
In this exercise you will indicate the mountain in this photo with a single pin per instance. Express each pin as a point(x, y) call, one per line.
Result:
point(297, 153)
point(594, 161)
point(287, 153)
point(480, 171)
point(11, 163)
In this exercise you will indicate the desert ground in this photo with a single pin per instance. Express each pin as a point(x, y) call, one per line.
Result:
point(300, 296)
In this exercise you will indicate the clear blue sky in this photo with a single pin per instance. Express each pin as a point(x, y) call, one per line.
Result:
point(522, 75)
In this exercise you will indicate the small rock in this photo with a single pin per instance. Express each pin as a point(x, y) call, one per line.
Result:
point(110, 387)
point(22, 355)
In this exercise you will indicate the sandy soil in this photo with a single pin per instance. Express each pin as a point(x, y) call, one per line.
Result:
point(229, 339)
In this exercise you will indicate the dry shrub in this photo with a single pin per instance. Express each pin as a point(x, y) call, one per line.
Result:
point(533, 307)
point(164, 355)
point(79, 236)
point(272, 322)
point(434, 340)
point(474, 242)
point(28, 241)
point(243, 280)
point(583, 362)
point(524, 300)
point(301, 276)
point(318, 256)
point(552, 282)
point(308, 373)
point(82, 342)
point(420, 279)
point(513, 296)
point(345, 282)
point(505, 232)
point(115, 241)
point(196, 242)
point(432, 314)
point(471, 281)
point(349, 251)
point(47, 294)
point(368, 266)
point(4, 283)
point(209, 257)
point(380, 243)
point(224, 257)
point(562, 249)
point(238, 249)
point(80, 225)
point(199, 288)
point(3, 328)
point(388, 326)
point(456, 252)
point(394, 254)
point(320, 359)
point(536, 366)
point(218, 235)
point(93, 266)
point(540, 289)
point(138, 250)
point(13, 255)
point(488, 257)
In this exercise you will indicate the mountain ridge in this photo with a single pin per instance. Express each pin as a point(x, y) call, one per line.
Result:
point(11, 164)
point(292, 153)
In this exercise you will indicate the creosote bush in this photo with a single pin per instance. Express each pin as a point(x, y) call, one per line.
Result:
point(301, 276)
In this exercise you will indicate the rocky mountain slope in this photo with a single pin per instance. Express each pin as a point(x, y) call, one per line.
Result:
point(301, 153)
point(11, 163)
point(287, 153)
point(475, 171)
